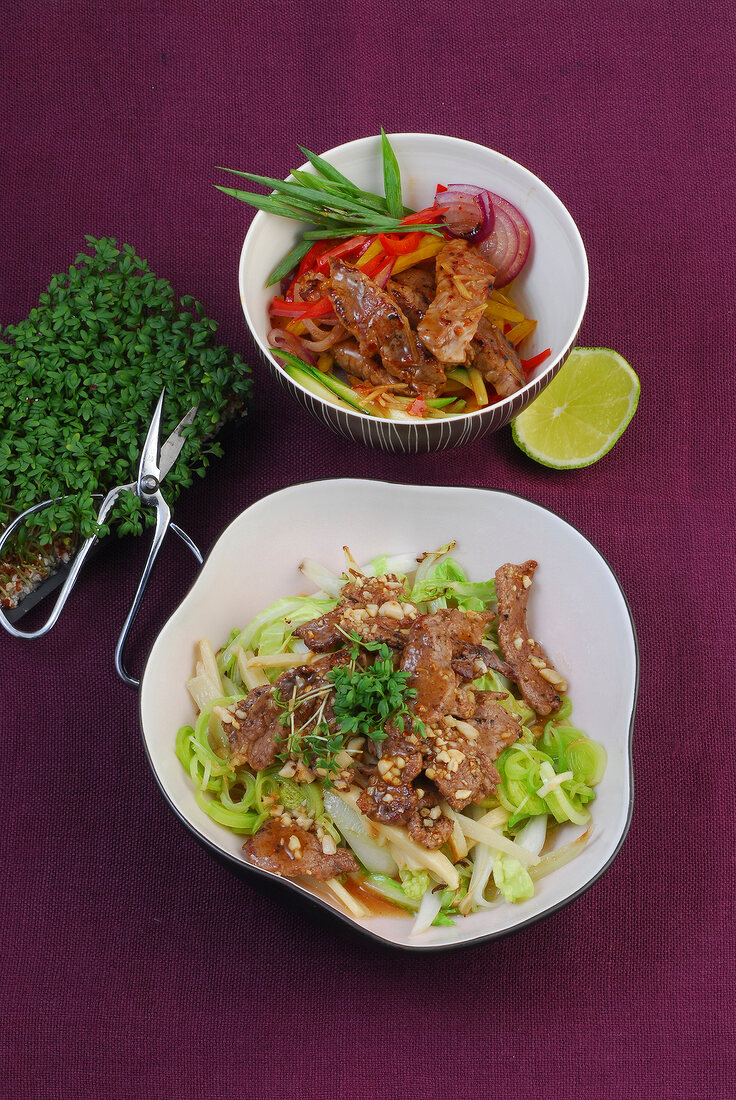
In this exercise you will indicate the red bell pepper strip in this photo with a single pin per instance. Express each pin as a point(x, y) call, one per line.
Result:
point(530, 364)
point(417, 407)
point(354, 244)
point(427, 216)
point(400, 246)
point(297, 311)
point(373, 266)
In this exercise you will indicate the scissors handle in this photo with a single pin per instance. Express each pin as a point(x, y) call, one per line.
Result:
point(78, 562)
point(163, 522)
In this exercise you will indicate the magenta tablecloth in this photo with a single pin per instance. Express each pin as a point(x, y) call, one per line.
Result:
point(134, 965)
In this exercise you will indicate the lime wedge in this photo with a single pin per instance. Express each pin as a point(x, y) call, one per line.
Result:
point(581, 413)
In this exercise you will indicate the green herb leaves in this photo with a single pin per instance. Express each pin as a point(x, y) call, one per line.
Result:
point(391, 178)
point(366, 698)
point(357, 700)
point(330, 201)
point(79, 379)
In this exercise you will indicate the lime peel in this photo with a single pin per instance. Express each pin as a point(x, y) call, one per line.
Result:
point(581, 413)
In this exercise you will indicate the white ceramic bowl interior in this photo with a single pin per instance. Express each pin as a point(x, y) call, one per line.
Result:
point(578, 612)
point(553, 287)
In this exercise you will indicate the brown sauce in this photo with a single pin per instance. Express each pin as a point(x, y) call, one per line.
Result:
point(377, 905)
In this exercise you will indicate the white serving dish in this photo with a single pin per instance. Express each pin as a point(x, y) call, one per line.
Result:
point(578, 611)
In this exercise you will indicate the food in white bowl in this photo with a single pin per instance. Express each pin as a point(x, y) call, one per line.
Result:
point(398, 733)
point(392, 403)
point(575, 595)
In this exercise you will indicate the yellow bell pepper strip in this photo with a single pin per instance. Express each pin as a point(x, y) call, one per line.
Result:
point(499, 311)
point(425, 252)
point(374, 249)
point(520, 332)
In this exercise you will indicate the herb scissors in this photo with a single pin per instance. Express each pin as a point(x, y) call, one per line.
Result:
point(153, 468)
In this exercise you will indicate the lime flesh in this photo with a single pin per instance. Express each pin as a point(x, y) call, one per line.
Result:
point(581, 413)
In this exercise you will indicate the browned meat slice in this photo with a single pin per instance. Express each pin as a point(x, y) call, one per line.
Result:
point(464, 282)
point(312, 286)
point(372, 316)
point(290, 850)
point(253, 728)
point(389, 796)
point(461, 753)
point(252, 724)
point(348, 356)
point(476, 660)
point(413, 290)
point(496, 725)
point(496, 359)
point(538, 680)
point(373, 607)
point(387, 803)
point(428, 826)
point(434, 642)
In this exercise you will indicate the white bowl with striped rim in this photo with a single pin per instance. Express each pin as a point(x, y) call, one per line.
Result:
point(553, 287)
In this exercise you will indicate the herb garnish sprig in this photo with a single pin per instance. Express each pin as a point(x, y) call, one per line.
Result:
point(363, 699)
point(367, 697)
point(332, 202)
point(79, 380)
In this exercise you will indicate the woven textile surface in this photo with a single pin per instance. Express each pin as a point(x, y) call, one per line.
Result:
point(133, 964)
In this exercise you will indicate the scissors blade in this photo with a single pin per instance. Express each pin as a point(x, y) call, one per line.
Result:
point(149, 456)
point(173, 445)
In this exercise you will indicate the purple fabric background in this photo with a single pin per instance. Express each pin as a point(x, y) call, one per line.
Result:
point(132, 964)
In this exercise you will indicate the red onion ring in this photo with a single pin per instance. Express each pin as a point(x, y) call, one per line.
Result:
point(338, 333)
point(503, 237)
point(471, 214)
point(383, 274)
point(287, 341)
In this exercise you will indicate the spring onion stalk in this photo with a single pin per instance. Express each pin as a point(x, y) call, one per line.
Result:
point(353, 905)
point(587, 759)
point(355, 829)
point(326, 581)
point(429, 908)
point(475, 899)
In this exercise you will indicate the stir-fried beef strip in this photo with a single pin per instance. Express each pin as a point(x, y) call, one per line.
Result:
point(389, 796)
point(252, 724)
point(496, 359)
point(413, 290)
point(476, 660)
point(373, 317)
point(290, 850)
point(464, 282)
point(349, 356)
point(435, 642)
point(540, 683)
point(376, 608)
point(461, 752)
point(312, 286)
point(428, 826)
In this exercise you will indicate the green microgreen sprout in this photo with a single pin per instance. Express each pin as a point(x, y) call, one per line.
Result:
point(364, 698)
point(79, 380)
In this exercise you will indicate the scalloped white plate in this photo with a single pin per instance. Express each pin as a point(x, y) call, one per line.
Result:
point(577, 610)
